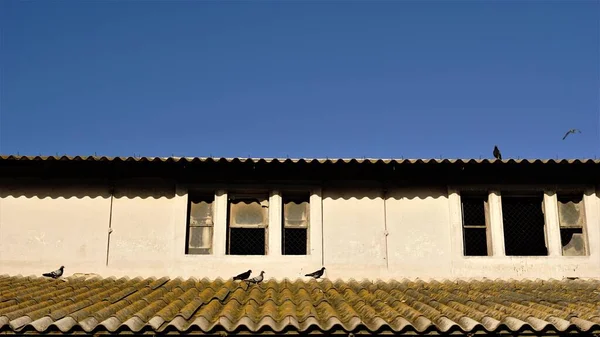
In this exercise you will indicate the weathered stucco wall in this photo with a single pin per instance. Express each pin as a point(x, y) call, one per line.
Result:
point(354, 232)
point(417, 222)
point(42, 227)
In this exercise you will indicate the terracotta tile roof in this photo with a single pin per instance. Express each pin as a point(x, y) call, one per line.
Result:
point(35, 304)
point(297, 160)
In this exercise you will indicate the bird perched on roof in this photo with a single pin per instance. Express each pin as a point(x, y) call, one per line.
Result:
point(317, 273)
point(243, 275)
point(497, 153)
point(572, 131)
point(256, 279)
point(55, 274)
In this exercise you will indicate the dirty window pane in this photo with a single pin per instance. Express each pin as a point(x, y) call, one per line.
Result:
point(201, 214)
point(200, 239)
point(295, 214)
point(248, 220)
point(200, 223)
point(571, 214)
point(573, 241)
point(248, 213)
point(571, 210)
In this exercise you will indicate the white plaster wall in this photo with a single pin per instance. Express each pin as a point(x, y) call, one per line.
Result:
point(143, 227)
point(43, 227)
point(418, 240)
point(46, 226)
point(354, 233)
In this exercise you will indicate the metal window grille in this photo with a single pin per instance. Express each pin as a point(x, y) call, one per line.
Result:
point(524, 225)
point(571, 215)
point(248, 221)
point(475, 230)
point(200, 224)
point(296, 218)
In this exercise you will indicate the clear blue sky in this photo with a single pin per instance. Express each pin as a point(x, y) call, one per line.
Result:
point(300, 78)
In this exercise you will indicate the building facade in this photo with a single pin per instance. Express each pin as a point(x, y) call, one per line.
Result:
point(373, 219)
point(416, 247)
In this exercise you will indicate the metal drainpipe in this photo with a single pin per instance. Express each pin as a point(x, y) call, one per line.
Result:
point(112, 195)
point(322, 229)
point(385, 233)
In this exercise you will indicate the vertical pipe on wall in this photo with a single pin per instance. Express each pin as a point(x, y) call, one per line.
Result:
point(385, 233)
point(112, 194)
point(322, 228)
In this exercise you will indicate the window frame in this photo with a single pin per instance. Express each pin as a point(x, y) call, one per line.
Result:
point(584, 225)
point(486, 211)
point(552, 228)
point(290, 195)
point(263, 199)
point(202, 195)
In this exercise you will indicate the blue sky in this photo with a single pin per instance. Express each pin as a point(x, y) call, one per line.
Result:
point(300, 78)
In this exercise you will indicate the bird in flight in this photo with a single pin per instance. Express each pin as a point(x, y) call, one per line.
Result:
point(55, 274)
point(572, 131)
point(243, 275)
point(497, 153)
point(317, 274)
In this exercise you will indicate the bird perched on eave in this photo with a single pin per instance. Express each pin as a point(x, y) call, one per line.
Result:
point(55, 274)
point(497, 153)
point(243, 275)
point(317, 273)
point(572, 131)
point(256, 279)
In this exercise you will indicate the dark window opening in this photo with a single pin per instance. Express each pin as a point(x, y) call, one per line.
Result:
point(571, 214)
point(295, 222)
point(248, 218)
point(247, 241)
point(199, 234)
point(475, 229)
point(524, 225)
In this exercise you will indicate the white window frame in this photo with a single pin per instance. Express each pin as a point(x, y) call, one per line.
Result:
point(550, 209)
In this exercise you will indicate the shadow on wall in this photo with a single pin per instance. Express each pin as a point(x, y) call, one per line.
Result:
point(394, 193)
point(73, 189)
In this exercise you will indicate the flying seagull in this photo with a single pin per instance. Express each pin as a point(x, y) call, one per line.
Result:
point(243, 275)
point(317, 274)
point(256, 279)
point(573, 131)
point(497, 153)
point(55, 274)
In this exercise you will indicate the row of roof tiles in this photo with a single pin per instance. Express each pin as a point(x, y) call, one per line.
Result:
point(297, 160)
point(34, 304)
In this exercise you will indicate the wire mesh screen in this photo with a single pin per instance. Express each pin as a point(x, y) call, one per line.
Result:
point(524, 227)
point(294, 241)
point(246, 241)
point(474, 226)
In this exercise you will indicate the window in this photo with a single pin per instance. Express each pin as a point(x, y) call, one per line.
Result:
point(247, 224)
point(475, 217)
point(524, 225)
point(571, 216)
point(200, 224)
point(295, 222)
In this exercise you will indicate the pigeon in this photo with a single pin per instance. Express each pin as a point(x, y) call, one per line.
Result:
point(497, 153)
point(55, 274)
point(243, 276)
point(573, 131)
point(256, 279)
point(317, 274)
